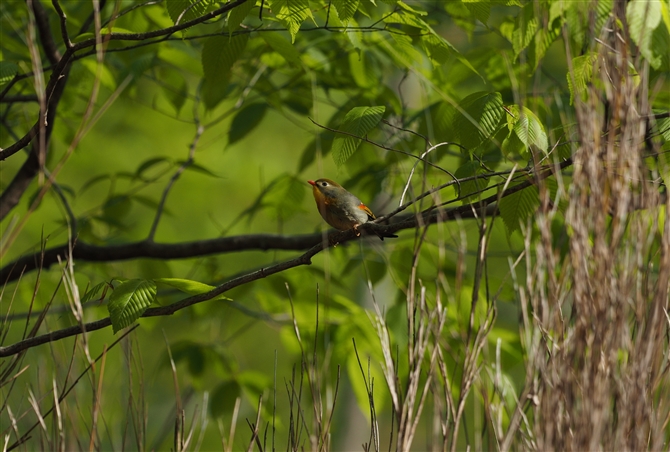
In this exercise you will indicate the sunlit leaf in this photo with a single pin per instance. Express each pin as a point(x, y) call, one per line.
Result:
point(358, 122)
point(643, 17)
point(129, 300)
point(190, 287)
point(345, 9)
point(580, 77)
point(8, 70)
point(291, 13)
point(478, 117)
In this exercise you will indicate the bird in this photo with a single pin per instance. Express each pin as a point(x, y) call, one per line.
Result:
point(341, 209)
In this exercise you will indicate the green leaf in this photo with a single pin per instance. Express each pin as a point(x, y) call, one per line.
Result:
point(193, 353)
point(245, 121)
point(643, 17)
point(174, 87)
point(223, 398)
point(525, 28)
point(530, 130)
point(405, 18)
point(291, 13)
point(185, 10)
point(103, 31)
point(345, 9)
point(401, 49)
point(8, 70)
point(409, 9)
point(148, 164)
point(190, 287)
point(199, 169)
point(106, 77)
point(580, 77)
point(663, 125)
point(471, 190)
point(116, 208)
point(483, 112)
point(480, 10)
point(238, 14)
point(283, 47)
point(359, 121)
point(518, 207)
point(94, 291)
point(438, 49)
point(129, 301)
point(542, 41)
point(219, 53)
point(362, 69)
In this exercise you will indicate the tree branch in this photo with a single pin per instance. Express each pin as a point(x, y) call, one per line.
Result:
point(263, 242)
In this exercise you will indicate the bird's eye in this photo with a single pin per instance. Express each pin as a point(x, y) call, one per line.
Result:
point(324, 184)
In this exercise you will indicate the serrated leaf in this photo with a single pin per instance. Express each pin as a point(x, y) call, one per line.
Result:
point(404, 18)
point(94, 291)
point(580, 77)
point(530, 131)
point(480, 10)
point(245, 121)
point(542, 41)
point(409, 9)
point(518, 207)
point(643, 17)
point(291, 13)
point(358, 121)
point(185, 10)
point(219, 53)
point(283, 47)
point(478, 118)
point(438, 49)
point(663, 125)
point(238, 14)
point(8, 70)
point(525, 28)
point(402, 50)
point(345, 9)
point(190, 287)
point(129, 301)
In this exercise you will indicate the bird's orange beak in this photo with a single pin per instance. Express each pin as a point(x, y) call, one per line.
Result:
point(312, 183)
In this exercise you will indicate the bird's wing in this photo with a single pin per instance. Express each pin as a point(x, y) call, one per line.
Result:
point(367, 210)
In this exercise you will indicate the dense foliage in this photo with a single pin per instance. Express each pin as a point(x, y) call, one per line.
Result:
point(155, 157)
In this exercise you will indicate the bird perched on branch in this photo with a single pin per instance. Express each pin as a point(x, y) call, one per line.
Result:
point(341, 209)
